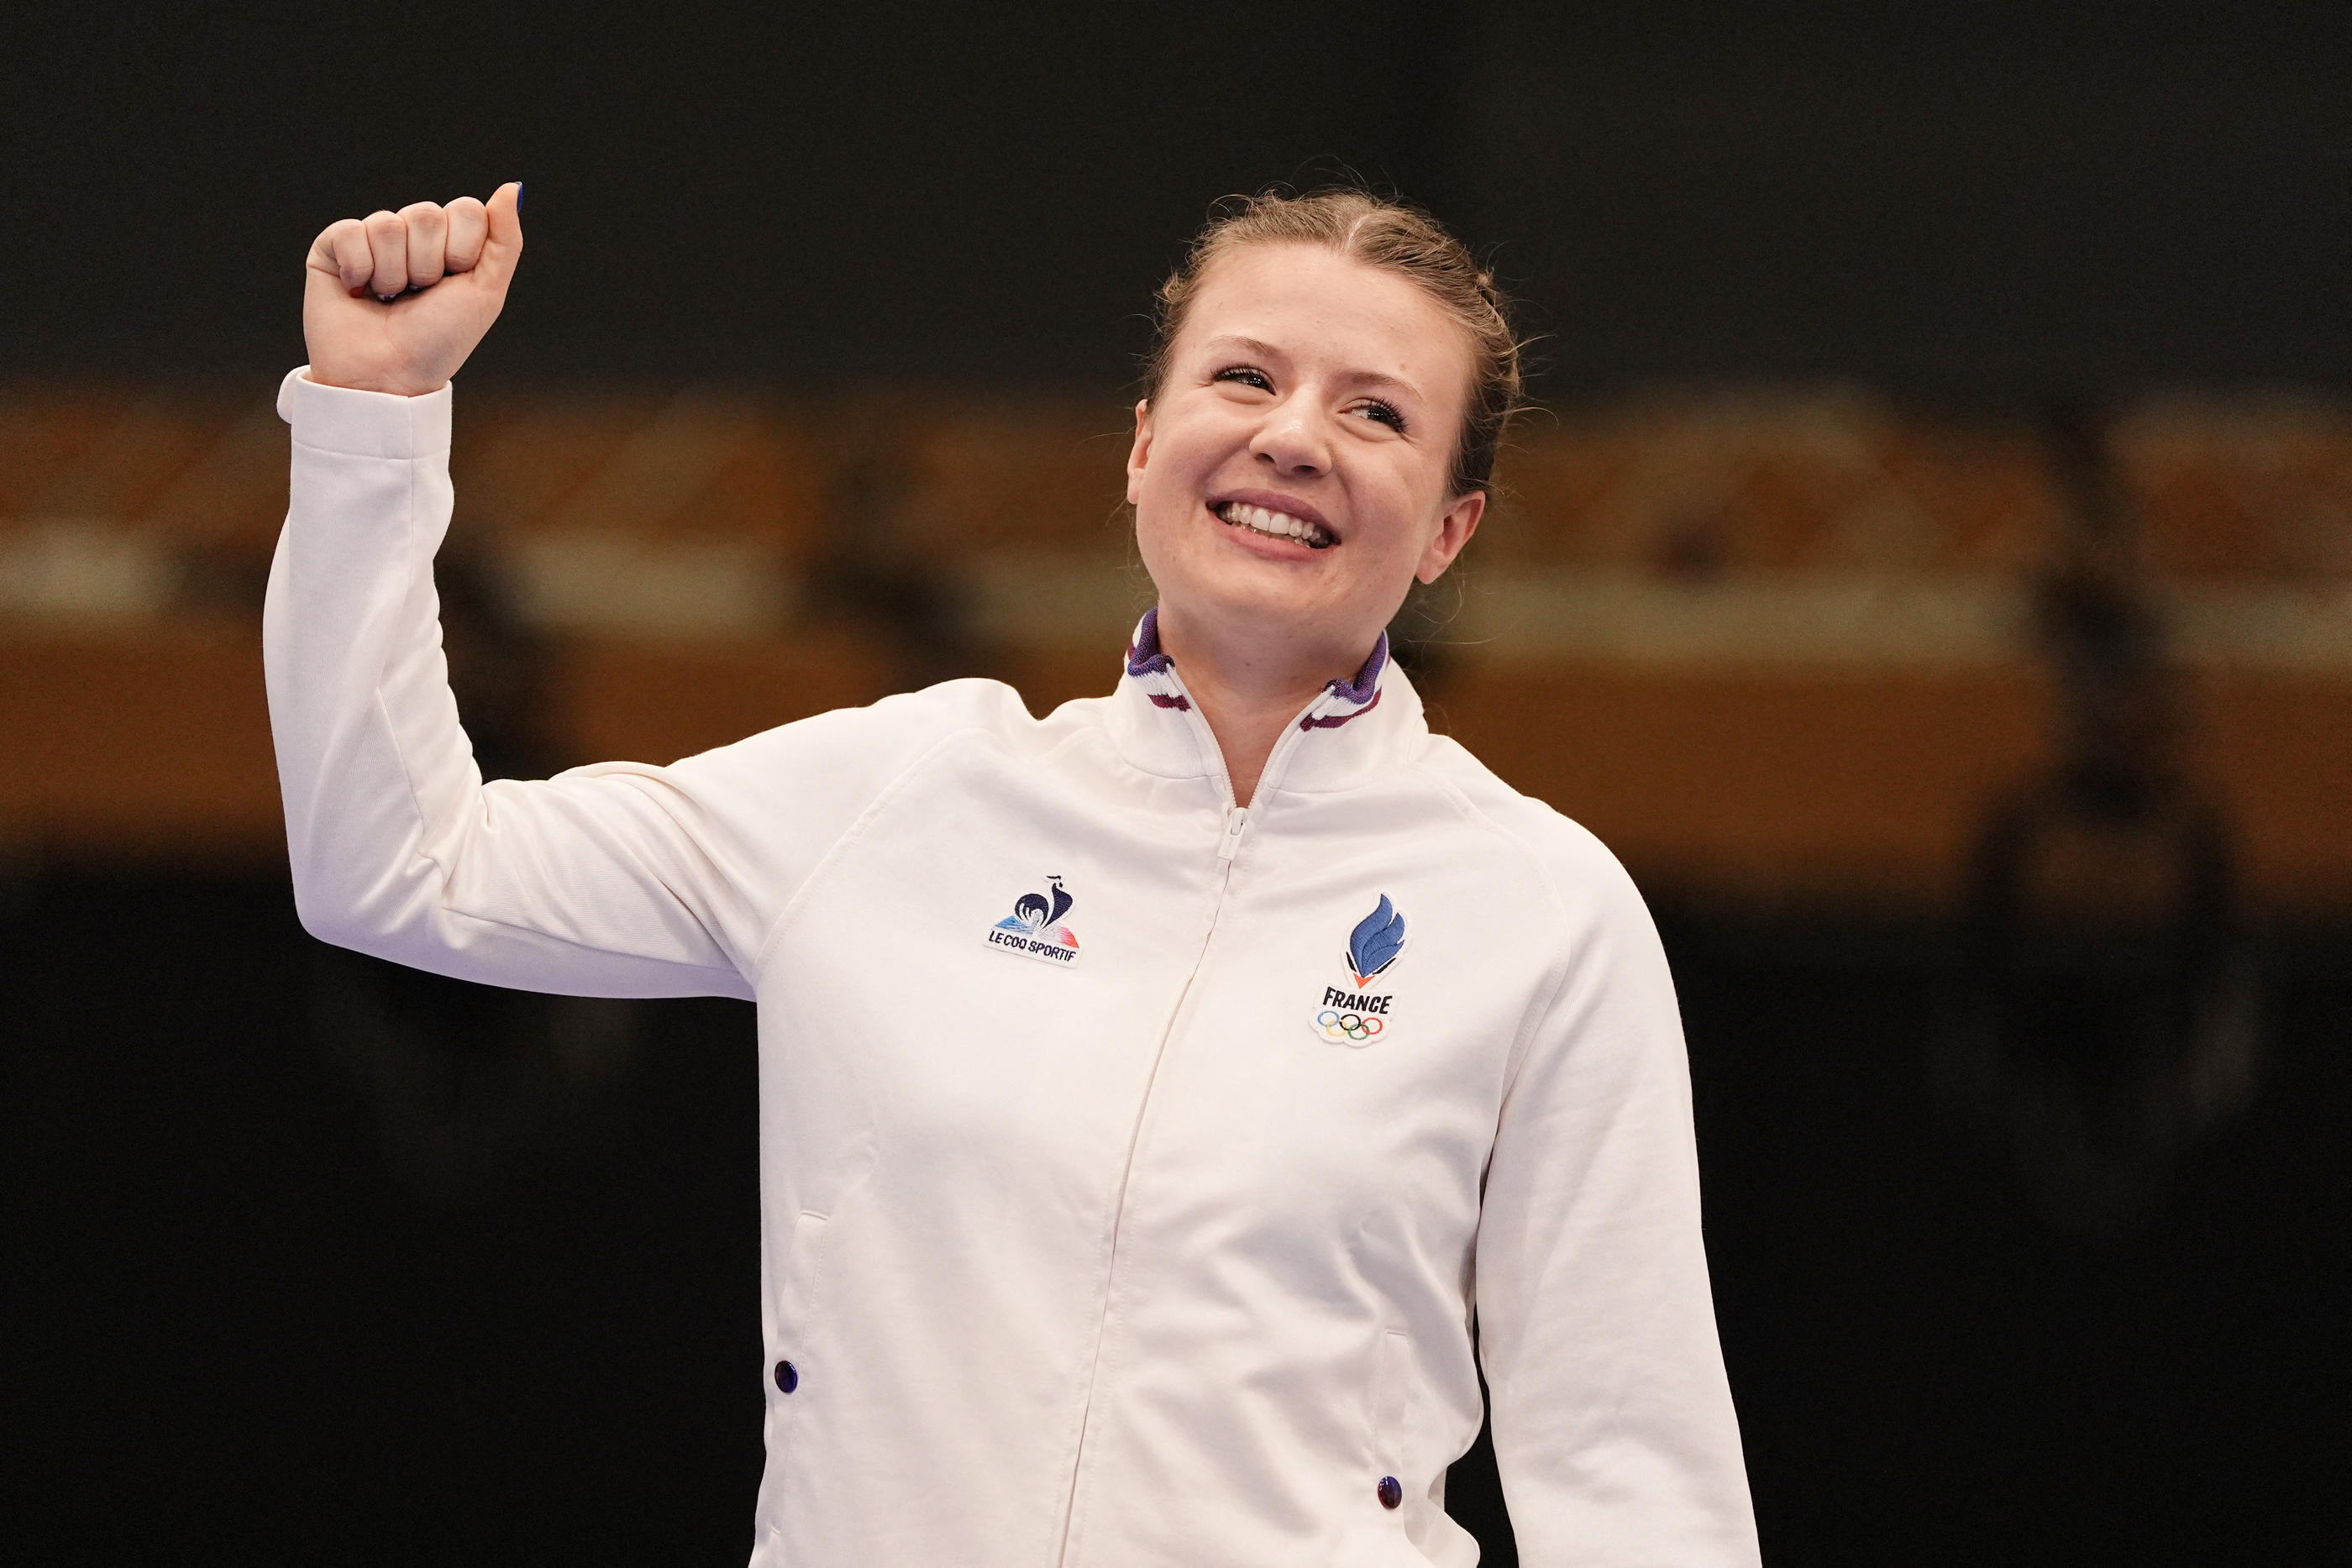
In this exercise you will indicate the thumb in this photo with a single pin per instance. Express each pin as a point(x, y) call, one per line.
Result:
point(503, 246)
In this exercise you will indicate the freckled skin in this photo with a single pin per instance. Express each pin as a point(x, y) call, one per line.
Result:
point(1299, 374)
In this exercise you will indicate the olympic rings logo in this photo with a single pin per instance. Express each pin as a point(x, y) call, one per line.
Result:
point(1357, 1027)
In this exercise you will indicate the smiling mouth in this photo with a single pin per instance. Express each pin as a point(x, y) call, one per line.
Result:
point(1274, 524)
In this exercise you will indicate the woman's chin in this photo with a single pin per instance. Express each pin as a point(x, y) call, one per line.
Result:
point(1247, 574)
point(1264, 609)
point(1249, 584)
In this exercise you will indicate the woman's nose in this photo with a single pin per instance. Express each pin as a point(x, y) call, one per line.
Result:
point(1293, 441)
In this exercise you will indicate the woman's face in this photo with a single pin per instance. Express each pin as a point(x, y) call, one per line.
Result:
point(1290, 477)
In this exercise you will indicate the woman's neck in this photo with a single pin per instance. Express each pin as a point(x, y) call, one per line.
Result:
point(1249, 696)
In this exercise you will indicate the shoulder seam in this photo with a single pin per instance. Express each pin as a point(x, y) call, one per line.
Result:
point(1540, 1008)
point(824, 862)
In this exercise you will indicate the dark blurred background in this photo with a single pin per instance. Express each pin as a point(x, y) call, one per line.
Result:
point(1933, 559)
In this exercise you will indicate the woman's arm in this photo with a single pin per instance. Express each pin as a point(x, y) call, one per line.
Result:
point(613, 880)
point(1613, 1426)
point(398, 847)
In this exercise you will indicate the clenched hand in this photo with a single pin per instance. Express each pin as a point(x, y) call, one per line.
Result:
point(395, 302)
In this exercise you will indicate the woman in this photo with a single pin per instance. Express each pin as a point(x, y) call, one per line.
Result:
point(1148, 1093)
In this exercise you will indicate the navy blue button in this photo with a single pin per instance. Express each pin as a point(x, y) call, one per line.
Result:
point(1392, 1494)
point(788, 1377)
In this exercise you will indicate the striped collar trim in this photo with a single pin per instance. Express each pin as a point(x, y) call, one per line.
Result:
point(1144, 656)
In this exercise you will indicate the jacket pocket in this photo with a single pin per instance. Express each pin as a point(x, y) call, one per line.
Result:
point(803, 1287)
point(796, 1373)
point(1392, 1407)
point(1390, 1537)
point(797, 1359)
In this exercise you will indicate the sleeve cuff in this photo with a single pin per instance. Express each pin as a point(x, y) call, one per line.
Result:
point(363, 424)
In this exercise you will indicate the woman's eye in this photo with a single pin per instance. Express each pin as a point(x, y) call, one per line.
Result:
point(1384, 413)
point(1247, 375)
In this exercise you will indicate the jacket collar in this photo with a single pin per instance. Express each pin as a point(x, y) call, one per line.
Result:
point(1352, 730)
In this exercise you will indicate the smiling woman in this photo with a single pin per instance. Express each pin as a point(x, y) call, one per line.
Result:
point(1168, 1247)
point(1332, 379)
point(1293, 474)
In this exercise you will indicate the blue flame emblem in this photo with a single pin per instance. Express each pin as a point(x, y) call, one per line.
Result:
point(1375, 942)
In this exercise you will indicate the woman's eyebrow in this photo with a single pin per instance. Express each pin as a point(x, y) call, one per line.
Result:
point(1248, 345)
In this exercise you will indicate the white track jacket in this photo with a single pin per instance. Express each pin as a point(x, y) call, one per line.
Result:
point(1132, 1164)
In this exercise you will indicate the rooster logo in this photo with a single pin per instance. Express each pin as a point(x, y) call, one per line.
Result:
point(1034, 928)
point(1032, 913)
point(1375, 942)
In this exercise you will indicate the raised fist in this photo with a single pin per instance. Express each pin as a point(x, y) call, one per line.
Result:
point(395, 302)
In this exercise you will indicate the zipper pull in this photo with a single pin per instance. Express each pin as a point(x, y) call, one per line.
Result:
point(1237, 819)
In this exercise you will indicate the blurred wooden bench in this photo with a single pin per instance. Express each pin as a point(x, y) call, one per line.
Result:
point(673, 551)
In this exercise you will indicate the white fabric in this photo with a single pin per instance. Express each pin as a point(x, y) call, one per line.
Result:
point(1108, 1261)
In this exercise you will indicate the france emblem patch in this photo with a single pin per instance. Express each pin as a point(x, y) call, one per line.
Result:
point(1357, 1014)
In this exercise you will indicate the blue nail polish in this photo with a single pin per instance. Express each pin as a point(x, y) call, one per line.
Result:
point(517, 198)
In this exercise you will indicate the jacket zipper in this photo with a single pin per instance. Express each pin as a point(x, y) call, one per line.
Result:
point(1229, 844)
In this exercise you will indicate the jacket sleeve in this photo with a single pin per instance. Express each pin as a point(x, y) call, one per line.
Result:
point(616, 880)
point(1613, 1426)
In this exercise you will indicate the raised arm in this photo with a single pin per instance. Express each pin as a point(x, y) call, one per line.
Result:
point(616, 880)
point(1614, 1424)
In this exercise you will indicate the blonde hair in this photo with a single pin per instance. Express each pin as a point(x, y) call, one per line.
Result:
point(1392, 235)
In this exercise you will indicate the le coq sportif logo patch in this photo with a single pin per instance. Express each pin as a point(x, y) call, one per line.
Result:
point(1356, 1014)
point(1035, 928)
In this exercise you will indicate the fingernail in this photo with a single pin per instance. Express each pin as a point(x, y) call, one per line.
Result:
point(517, 198)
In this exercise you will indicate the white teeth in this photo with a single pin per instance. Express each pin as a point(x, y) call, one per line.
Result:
point(1281, 524)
